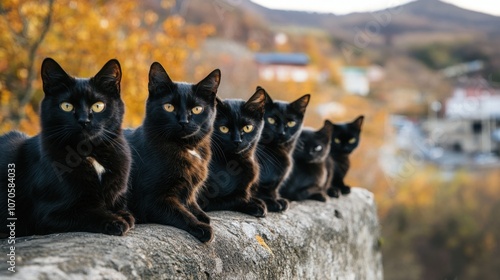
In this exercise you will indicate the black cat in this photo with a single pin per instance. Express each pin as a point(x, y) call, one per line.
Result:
point(171, 152)
point(283, 122)
point(345, 138)
point(73, 175)
point(233, 169)
point(309, 176)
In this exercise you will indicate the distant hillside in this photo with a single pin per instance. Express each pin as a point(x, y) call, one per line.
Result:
point(283, 17)
point(414, 16)
point(418, 17)
point(445, 16)
point(247, 21)
point(425, 17)
point(415, 25)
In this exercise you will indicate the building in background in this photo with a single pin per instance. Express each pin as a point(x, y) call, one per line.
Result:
point(461, 130)
point(283, 67)
point(471, 118)
point(355, 80)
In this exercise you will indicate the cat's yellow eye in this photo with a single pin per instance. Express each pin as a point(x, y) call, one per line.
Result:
point(271, 120)
point(291, 124)
point(352, 140)
point(336, 140)
point(169, 107)
point(67, 107)
point(248, 128)
point(98, 107)
point(197, 110)
point(224, 129)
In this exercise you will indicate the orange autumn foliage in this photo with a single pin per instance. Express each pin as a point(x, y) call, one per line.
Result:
point(82, 36)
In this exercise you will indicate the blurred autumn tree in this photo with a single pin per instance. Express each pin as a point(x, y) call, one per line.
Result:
point(442, 225)
point(82, 36)
point(24, 29)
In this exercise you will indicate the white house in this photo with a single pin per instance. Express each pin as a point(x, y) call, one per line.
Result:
point(471, 120)
point(355, 80)
point(283, 67)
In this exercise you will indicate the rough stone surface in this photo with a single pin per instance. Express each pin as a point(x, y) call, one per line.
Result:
point(309, 241)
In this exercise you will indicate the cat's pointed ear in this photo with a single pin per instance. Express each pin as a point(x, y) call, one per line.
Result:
point(109, 77)
point(358, 122)
point(300, 104)
point(219, 104)
point(327, 129)
point(269, 101)
point(158, 78)
point(210, 84)
point(54, 78)
point(256, 103)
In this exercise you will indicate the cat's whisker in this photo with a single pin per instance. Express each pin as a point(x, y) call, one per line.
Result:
point(263, 155)
point(111, 139)
point(60, 137)
point(165, 131)
point(216, 143)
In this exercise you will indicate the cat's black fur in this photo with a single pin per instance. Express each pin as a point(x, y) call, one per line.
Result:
point(275, 148)
point(309, 176)
point(233, 169)
point(345, 138)
point(171, 153)
point(73, 175)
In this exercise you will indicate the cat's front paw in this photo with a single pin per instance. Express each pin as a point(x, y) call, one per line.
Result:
point(199, 214)
point(202, 217)
point(202, 232)
point(333, 192)
point(345, 190)
point(128, 217)
point(319, 197)
point(283, 204)
point(273, 205)
point(116, 227)
point(256, 208)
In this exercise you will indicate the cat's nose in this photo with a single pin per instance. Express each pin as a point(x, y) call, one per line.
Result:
point(183, 118)
point(84, 122)
point(237, 142)
point(183, 122)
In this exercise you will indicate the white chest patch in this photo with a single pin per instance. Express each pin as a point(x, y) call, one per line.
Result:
point(99, 169)
point(194, 153)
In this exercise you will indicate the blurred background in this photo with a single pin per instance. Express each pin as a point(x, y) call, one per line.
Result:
point(424, 73)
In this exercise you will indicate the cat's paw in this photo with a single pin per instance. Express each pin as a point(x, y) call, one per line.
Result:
point(199, 214)
point(319, 197)
point(256, 208)
point(273, 206)
point(202, 217)
point(345, 190)
point(278, 205)
point(128, 217)
point(283, 204)
point(333, 192)
point(202, 232)
point(116, 227)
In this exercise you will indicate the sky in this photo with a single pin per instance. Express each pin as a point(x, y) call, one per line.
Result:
point(345, 7)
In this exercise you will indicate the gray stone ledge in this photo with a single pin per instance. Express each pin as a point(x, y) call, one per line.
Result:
point(306, 242)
